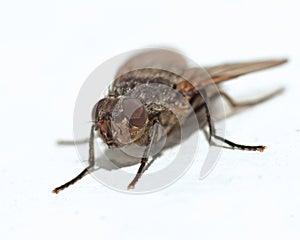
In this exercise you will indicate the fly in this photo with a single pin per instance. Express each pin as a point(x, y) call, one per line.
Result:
point(142, 117)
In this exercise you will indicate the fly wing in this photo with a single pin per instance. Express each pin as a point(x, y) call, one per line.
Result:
point(203, 77)
point(155, 58)
point(232, 70)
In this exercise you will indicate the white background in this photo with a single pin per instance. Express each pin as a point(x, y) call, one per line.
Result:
point(47, 50)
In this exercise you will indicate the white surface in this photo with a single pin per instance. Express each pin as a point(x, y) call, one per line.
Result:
point(47, 49)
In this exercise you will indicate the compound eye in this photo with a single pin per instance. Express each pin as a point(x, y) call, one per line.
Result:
point(135, 112)
point(97, 107)
point(95, 113)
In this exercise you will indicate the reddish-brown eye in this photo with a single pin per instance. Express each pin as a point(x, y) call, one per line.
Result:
point(96, 109)
point(95, 113)
point(135, 111)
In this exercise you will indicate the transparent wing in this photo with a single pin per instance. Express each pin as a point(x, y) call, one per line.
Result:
point(202, 77)
point(232, 70)
point(155, 58)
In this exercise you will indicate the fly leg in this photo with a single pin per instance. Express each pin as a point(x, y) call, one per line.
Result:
point(73, 142)
point(144, 160)
point(212, 132)
point(87, 169)
point(253, 102)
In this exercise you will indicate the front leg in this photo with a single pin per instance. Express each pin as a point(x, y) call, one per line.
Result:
point(87, 169)
point(151, 138)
